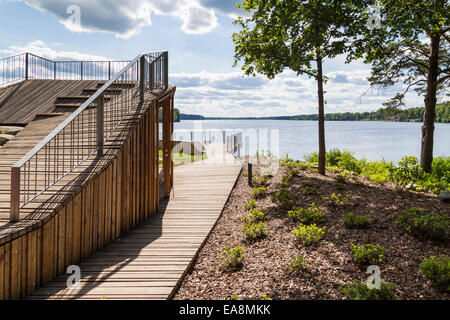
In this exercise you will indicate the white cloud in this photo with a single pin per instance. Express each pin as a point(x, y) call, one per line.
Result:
point(125, 18)
point(39, 48)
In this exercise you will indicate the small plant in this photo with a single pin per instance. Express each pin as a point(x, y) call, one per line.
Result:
point(421, 223)
point(261, 181)
point(254, 231)
point(285, 198)
point(251, 205)
point(368, 253)
point(308, 234)
point(406, 172)
point(307, 183)
point(307, 190)
point(338, 199)
point(231, 258)
point(341, 178)
point(234, 297)
point(360, 291)
point(286, 180)
point(339, 185)
point(296, 264)
point(256, 215)
point(355, 221)
point(311, 215)
point(437, 269)
point(258, 192)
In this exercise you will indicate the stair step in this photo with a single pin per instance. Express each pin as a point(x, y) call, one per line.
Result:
point(125, 85)
point(72, 105)
point(107, 91)
point(40, 116)
point(77, 98)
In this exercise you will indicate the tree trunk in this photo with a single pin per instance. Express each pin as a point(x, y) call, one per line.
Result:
point(429, 116)
point(321, 115)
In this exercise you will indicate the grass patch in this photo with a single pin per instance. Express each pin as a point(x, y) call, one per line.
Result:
point(355, 221)
point(360, 291)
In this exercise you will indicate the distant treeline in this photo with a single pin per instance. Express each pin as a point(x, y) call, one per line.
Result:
point(383, 114)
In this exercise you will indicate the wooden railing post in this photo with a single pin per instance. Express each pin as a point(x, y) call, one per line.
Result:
point(100, 125)
point(151, 75)
point(142, 78)
point(15, 194)
point(167, 147)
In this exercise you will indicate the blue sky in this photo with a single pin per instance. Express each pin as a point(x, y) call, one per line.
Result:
point(197, 34)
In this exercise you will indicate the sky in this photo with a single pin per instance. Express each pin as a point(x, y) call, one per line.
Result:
point(197, 34)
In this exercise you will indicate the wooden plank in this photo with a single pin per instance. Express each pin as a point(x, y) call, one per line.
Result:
point(15, 268)
point(101, 209)
point(23, 265)
point(95, 214)
point(2, 272)
point(48, 238)
point(69, 233)
point(32, 262)
point(7, 271)
point(61, 240)
point(76, 228)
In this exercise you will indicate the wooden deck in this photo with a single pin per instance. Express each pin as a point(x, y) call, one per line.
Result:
point(151, 261)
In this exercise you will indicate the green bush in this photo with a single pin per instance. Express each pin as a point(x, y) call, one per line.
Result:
point(406, 172)
point(256, 215)
point(286, 180)
point(255, 231)
point(285, 198)
point(368, 254)
point(250, 205)
point(360, 291)
point(231, 258)
point(259, 192)
point(421, 223)
point(307, 190)
point(311, 215)
point(437, 269)
point(296, 264)
point(355, 221)
point(261, 181)
point(308, 234)
point(338, 199)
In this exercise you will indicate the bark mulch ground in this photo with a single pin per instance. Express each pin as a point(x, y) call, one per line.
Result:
point(330, 262)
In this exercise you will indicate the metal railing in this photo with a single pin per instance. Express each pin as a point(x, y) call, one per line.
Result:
point(29, 66)
point(84, 132)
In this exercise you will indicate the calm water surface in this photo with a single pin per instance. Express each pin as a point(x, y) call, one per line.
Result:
point(374, 140)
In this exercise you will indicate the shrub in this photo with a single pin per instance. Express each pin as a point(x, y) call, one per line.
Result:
point(255, 231)
point(231, 258)
point(355, 221)
point(338, 199)
point(285, 181)
point(421, 223)
point(368, 253)
point(406, 172)
point(307, 216)
point(261, 181)
point(250, 205)
point(307, 190)
point(256, 215)
point(285, 198)
point(234, 297)
point(308, 234)
point(296, 264)
point(437, 269)
point(258, 192)
point(360, 291)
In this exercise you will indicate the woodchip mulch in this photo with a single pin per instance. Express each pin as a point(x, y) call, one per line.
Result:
point(330, 262)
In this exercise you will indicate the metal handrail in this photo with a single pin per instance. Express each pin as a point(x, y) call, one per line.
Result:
point(21, 66)
point(148, 81)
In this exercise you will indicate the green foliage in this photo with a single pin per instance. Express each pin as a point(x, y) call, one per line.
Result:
point(285, 198)
point(234, 297)
point(368, 254)
point(354, 221)
point(407, 171)
point(311, 215)
point(341, 177)
point(261, 181)
point(308, 190)
point(256, 215)
point(437, 269)
point(421, 223)
point(296, 264)
point(231, 258)
point(338, 199)
point(259, 192)
point(360, 291)
point(308, 234)
point(254, 231)
point(250, 205)
point(286, 180)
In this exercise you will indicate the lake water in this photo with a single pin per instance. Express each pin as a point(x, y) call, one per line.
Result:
point(374, 140)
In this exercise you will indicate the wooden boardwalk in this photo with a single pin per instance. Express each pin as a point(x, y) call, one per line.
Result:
point(151, 261)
